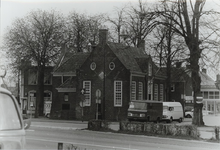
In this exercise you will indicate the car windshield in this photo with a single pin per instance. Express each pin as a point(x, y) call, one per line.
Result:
point(9, 119)
point(138, 106)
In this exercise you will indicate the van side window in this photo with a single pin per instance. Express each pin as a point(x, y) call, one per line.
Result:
point(171, 108)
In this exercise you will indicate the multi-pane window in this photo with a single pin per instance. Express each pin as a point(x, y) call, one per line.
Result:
point(210, 94)
point(66, 97)
point(216, 95)
point(149, 91)
point(47, 78)
point(47, 96)
point(117, 93)
point(140, 91)
point(161, 92)
point(87, 94)
point(206, 95)
point(156, 92)
point(32, 98)
point(32, 77)
point(150, 69)
point(133, 90)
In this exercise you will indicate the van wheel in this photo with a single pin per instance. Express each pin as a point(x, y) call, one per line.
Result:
point(158, 120)
point(148, 119)
point(180, 120)
point(171, 119)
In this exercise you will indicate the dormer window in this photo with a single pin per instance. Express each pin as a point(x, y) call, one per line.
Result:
point(112, 66)
point(93, 66)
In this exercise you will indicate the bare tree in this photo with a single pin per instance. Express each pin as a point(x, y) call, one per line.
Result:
point(139, 23)
point(169, 50)
point(117, 23)
point(82, 30)
point(36, 38)
point(187, 20)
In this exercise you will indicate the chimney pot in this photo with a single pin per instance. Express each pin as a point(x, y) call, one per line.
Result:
point(204, 70)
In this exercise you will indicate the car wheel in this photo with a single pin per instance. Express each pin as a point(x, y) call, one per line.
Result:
point(188, 116)
point(158, 120)
point(180, 120)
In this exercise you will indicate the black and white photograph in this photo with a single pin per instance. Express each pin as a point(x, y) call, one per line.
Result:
point(110, 74)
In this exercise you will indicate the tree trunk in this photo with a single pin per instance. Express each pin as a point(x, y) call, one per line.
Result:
point(196, 81)
point(40, 92)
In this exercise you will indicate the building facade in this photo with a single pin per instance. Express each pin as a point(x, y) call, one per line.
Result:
point(101, 83)
point(210, 93)
point(28, 86)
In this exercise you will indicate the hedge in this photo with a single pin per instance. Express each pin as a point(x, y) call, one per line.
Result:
point(147, 128)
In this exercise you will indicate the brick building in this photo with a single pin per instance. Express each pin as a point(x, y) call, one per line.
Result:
point(101, 83)
point(28, 86)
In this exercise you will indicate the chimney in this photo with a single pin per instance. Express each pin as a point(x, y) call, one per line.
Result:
point(204, 70)
point(103, 36)
point(218, 78)
point(178, 64)
point(142, 44)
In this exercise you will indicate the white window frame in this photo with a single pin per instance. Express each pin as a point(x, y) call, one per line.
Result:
point(156, 92)
point(111, 65)
point(87, 87)
point(118, 93)
point(161, 92)
point(150, 69)
point(93, 66)
point(140, 91)
point(150, 90)
point(133, 90)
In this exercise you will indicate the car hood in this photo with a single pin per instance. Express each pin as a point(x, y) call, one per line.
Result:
point(13, 139)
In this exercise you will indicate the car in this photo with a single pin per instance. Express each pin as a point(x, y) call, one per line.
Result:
point(12, 129)
point(189, 114)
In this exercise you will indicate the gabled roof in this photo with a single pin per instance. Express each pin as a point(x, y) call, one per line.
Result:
point(178, 74)
point(206, 81)
point(71, 62)
point(127, 55)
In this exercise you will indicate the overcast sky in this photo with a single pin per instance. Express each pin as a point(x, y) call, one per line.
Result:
point(12, 9)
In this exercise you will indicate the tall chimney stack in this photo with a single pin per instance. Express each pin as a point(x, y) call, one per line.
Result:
point(103, 36)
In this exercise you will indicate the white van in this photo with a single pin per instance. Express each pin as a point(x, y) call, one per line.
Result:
point(172, 111)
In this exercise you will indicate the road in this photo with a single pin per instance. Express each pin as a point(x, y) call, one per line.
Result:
point(47, 135)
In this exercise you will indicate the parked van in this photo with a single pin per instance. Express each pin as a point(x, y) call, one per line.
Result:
point(172, 111)
point(145, 110)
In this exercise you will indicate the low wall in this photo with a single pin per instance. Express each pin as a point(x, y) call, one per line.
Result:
point(147, 128)
point(161, 129)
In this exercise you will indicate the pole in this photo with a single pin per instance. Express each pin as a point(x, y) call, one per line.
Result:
point(60, 146)
point(97, 109)
point(82, 111)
